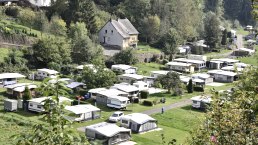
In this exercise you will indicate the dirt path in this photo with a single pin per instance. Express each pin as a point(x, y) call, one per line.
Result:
point(168, 107)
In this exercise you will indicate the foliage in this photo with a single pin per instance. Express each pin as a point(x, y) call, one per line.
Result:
point(125, 57)
point(83, 49)
point(212, 30)
point(98, 77)
point(197, 50)
point(144, 94)
point(171, 42)
point(49, 52)
point(147, 103)
point(12, 11)
point(57, 26)
point(171, 81)
point(14, 62)
point(58, 129)
point(27, 17)
point(27, 94)
point(224, 37)
point(150, 27)
point(190, 86)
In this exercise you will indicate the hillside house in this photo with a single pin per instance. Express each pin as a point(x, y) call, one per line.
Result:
point(130, 78)
point(124, 69)
point(107, 133)
point(9, 78)
point(223, 76)
point(138, 122)
point(181, 67)
point(120, 33)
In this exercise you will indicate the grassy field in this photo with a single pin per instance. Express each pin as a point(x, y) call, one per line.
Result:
point(242, 31)
point(146, 68)
point(4, 52)
point(142, 48)
point(217, 54)
point(175, 124)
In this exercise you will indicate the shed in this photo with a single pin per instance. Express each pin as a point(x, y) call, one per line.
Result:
point(82, 112)
point(10, 105)
point(107, 133)
point(138, 122)
point(9, 78)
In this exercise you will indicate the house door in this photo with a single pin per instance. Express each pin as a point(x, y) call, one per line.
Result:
point(104, 39)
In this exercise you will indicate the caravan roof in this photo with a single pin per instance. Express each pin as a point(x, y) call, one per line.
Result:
point(201, 75)
point(41, 99)
point(178, 64)
point(11, 75)
point(139, 118)
point(121, 66)
point(111, 92)
point(205, 99)
point(107, 129)
point(80, 109)
point(74, 84)
point(49, 71)
point(125, 87)
point(228, 60)
point(185, 60)
point(97, 90)
point(134, 76)
point(221, 72)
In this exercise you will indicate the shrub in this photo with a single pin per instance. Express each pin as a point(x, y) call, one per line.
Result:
point(12, 11)
point(190, 86)
point(158, 60)
point(155, 101)
point(144, 94)
point(164, 61)
point(199, 89)
point(136, 100)
point(154, 58)
point(147, 103)
point(82, 92)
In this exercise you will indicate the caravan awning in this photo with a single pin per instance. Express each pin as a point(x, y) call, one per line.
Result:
point(74, 85)
point(80, 109)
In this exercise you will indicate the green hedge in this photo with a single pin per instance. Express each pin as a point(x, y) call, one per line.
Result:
point(144, 94)
point(147, 103)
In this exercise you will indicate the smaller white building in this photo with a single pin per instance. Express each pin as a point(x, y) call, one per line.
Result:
point(206, 78)
point(37, 104)
point(9, 78)
point(141, 85)
point(130, 78)
point(198, 64)
point(223, 76)
point(201, 102)
point(138, 122)
point(124, 69)
point(82, 112)
point(46, 73)
point(181, 67)
point(127, 88)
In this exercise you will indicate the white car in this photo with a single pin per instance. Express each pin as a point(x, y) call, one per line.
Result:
point(116, 116)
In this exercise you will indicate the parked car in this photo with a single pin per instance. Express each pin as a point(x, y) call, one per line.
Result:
point(116, 116)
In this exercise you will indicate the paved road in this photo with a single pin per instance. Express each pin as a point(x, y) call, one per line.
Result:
point(168, 107)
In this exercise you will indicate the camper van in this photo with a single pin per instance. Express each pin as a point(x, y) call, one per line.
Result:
point(117, 102)
point(200, 102)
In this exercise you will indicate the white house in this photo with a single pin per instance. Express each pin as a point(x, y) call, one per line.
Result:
point(46, 73)
point(198, 64)
point(9, 78)
point(36, 104)
point(108, 133)
point(82, 112)
point(119, 33)
point(17, 90)
point(206, 78)
point(41, 3)
point(130, 78)
point(222, 62)
point(141, 85)
point(223, 76)
point(124, 69)
point(127, 88)
point(138, 122)
point(200, 102)
point(179, 66)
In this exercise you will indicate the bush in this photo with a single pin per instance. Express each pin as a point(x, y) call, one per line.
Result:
point(164, 61)
point(144, 94)
point(158, 60)
point(82, 92)
point(154, 58)
point(199, 89)
point(136, 100)
point(147, 103)
point(12, 11)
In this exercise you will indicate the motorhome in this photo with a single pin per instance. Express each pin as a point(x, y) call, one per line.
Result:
point(9, 78)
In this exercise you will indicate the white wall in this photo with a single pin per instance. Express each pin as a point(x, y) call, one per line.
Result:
point(41, 3)
point(110, 38)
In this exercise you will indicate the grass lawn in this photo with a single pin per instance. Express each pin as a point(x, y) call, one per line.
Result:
point(146, 68)
point(242, 31)
point(141, 48)
point(175, 124)
point(4, 53)
point(217, 54)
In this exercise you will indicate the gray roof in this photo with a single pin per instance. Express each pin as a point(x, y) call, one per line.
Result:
point(124, 27)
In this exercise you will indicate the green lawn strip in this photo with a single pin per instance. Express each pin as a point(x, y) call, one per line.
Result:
point(146, 68)
point(4, 53)
point(217, 54)
point(242, 31)
point(142, 48)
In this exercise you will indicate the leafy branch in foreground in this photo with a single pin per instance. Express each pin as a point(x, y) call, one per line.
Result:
point(56, 130)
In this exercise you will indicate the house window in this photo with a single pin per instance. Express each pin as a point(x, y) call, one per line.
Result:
point(39, 106)
point(124, 121)
point(112, 31)
point(106, 31)
point(108, 39)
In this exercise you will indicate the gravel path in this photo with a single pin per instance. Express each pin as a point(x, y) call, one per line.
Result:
point(168, 107)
